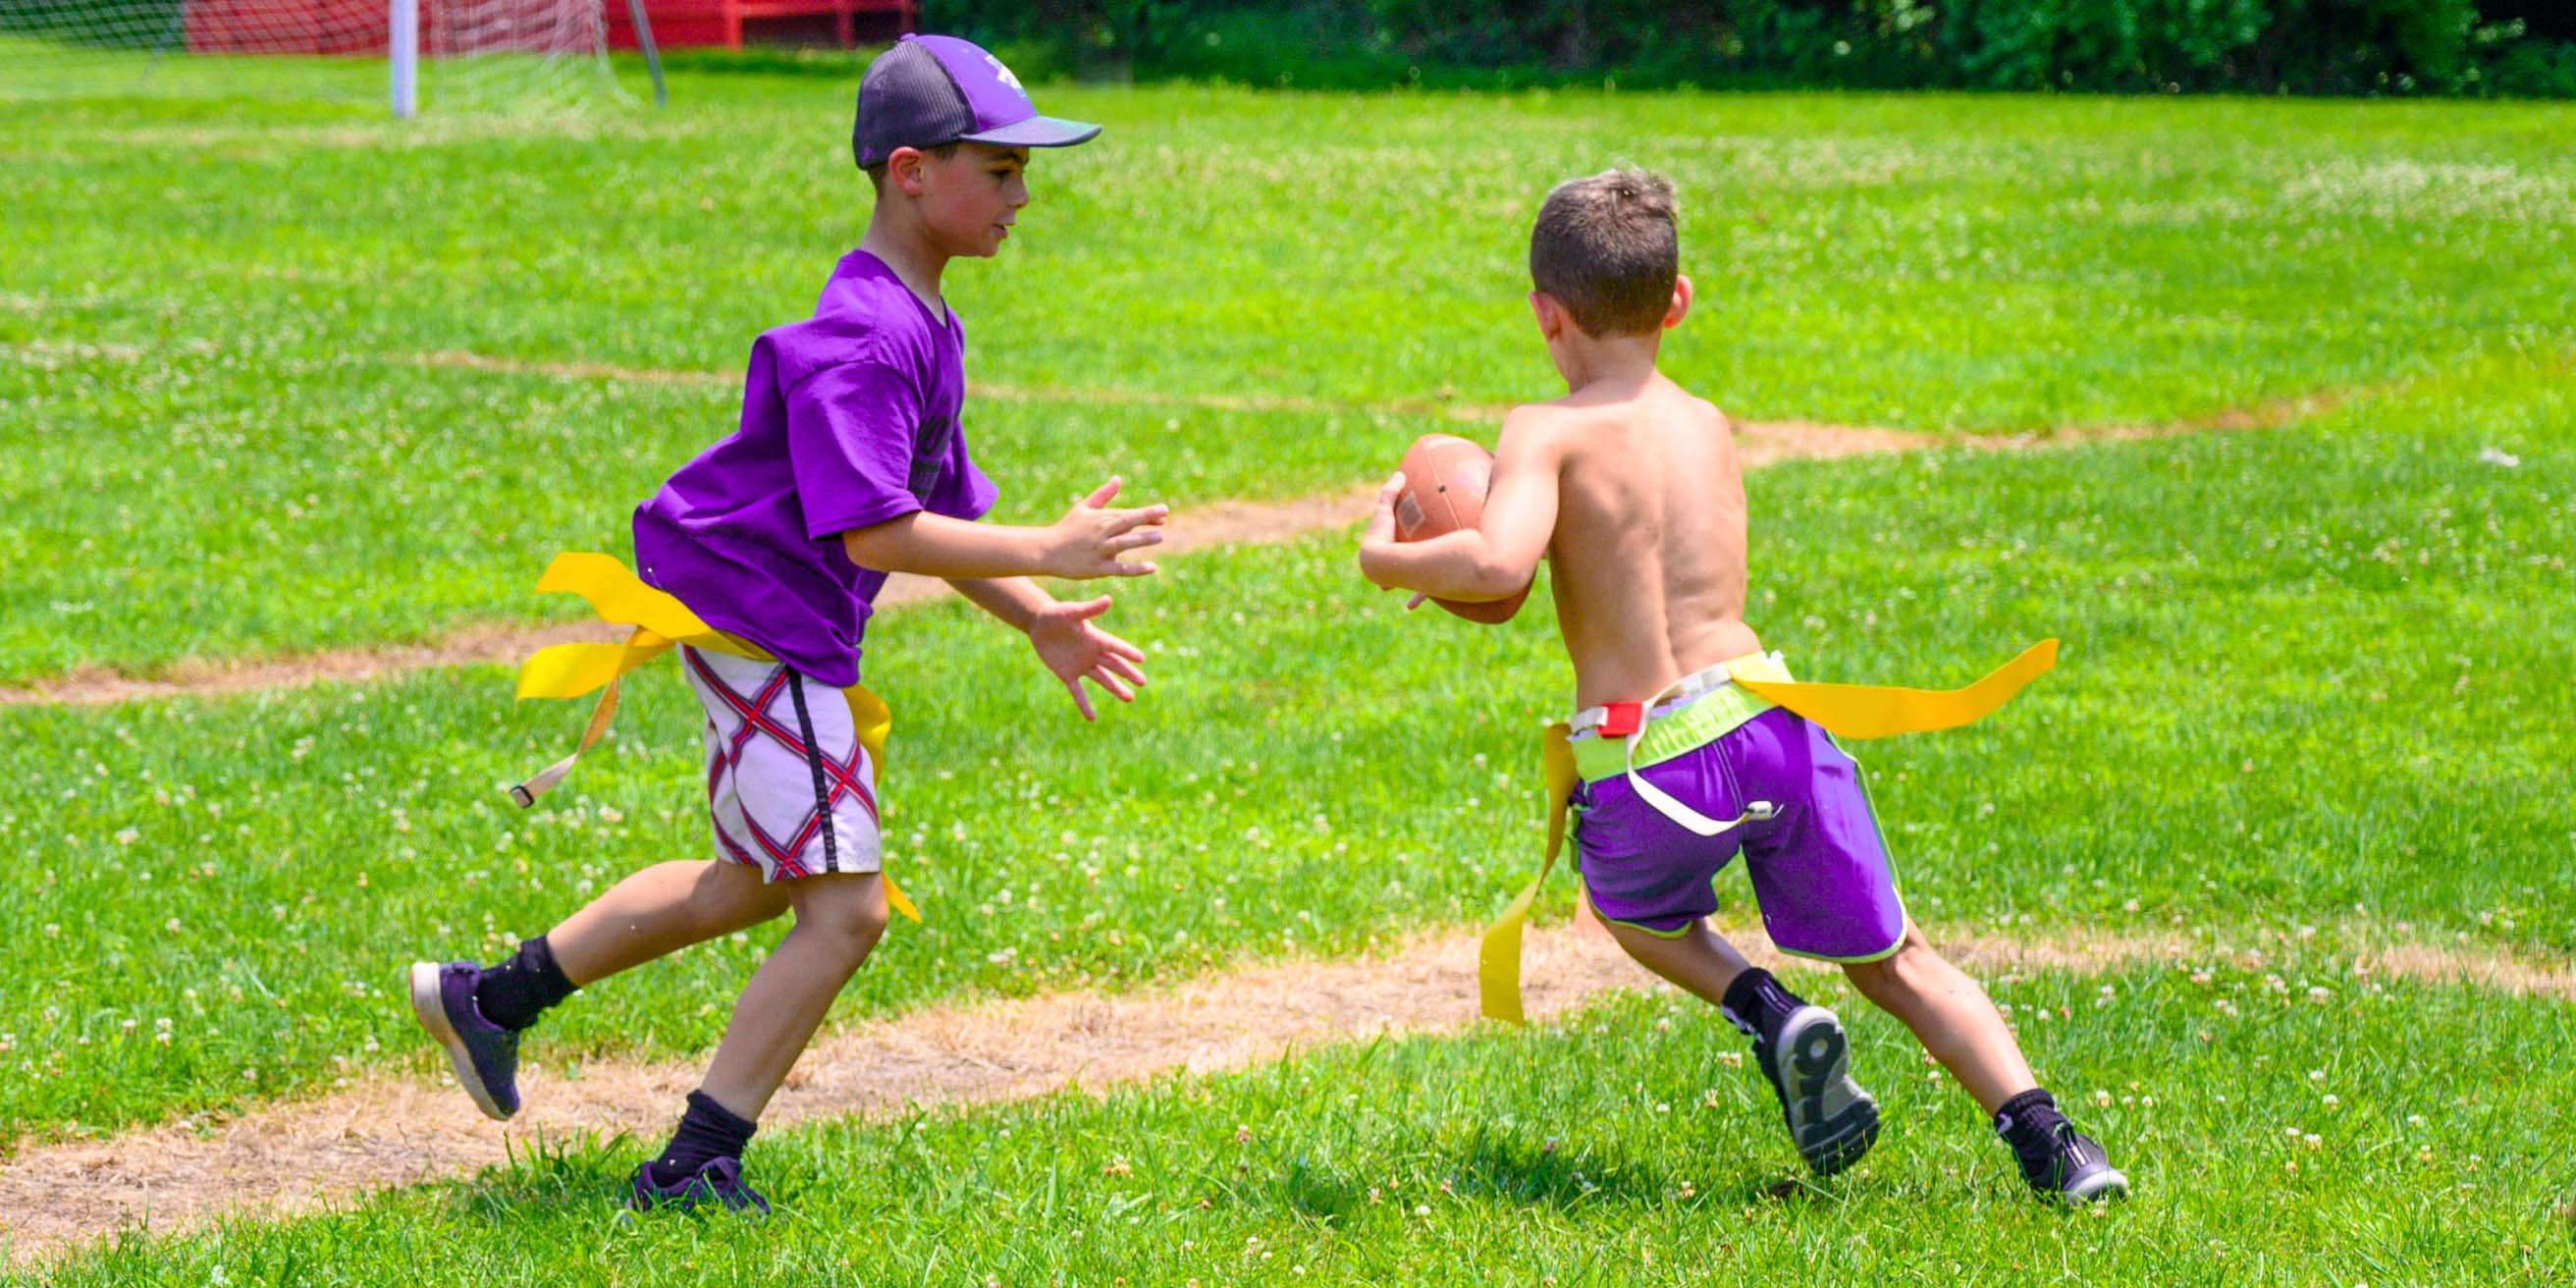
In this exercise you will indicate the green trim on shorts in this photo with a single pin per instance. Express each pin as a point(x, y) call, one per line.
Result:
point(1880, 956)
point(1709, 717)
point(1674, 933)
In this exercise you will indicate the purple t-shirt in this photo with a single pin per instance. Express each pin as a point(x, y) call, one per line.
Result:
point(849, 418)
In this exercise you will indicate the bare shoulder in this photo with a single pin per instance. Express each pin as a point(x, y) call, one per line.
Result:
point(1536, 430)
point(1708, 413)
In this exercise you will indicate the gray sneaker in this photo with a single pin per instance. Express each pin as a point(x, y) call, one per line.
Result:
point(484, 1055)
point(2069, 1165)
point(1831, 1120)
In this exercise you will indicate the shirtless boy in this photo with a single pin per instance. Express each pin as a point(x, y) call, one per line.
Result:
point(1632, 487)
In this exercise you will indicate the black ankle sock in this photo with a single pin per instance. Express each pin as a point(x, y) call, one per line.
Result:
point(2029, 1121)
point(707, 1131)
point(1756, 1004)
point(514, 993)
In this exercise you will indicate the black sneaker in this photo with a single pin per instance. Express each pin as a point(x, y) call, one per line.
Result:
point(1831, 1120)
point(719, 1182)
point(484, 1055)
point(2067, 1164)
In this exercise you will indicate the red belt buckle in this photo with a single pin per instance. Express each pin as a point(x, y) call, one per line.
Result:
point(1622, 719)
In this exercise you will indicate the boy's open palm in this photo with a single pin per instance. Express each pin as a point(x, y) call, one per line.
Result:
point(1076, 650)
point(1089, 539)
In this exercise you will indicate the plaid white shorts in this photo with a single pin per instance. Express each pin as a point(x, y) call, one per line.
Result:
point(789, 788)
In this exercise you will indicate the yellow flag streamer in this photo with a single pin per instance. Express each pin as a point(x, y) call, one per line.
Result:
point(661, 624)
point(1863, 711)
point(1858, 711)
point(1498, 957)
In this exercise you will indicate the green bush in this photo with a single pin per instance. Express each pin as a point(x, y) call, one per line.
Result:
point(111, 24)
point(2440, 47)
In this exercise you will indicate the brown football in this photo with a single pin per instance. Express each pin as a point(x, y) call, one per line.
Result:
point(1445, 480)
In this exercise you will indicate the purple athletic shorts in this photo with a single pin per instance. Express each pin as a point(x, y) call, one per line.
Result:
point(1819, 866)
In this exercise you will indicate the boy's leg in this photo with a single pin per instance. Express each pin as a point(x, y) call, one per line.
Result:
point(1830, 1118)
point(839, 917)
point(477, 1013)
point(1960, 1027)
point(1698, 960)
point(659, 911)
point(1953, 1018)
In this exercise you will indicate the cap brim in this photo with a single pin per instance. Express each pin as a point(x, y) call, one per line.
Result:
point(1035, 132)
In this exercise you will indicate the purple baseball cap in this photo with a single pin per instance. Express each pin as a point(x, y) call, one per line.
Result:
point(930, 90)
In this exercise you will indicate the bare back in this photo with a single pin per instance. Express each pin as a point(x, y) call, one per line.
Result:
point(1649, 541)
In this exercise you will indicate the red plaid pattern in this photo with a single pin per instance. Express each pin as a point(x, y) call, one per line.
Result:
point(789, 789)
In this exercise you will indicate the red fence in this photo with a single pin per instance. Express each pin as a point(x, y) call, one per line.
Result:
point(358, 26)
point(680, 24)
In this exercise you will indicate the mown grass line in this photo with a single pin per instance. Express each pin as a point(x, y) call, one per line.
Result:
point(1955, 263)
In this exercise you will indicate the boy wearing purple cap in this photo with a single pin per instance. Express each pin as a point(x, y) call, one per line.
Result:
point(850, 464)
point(1630, 486)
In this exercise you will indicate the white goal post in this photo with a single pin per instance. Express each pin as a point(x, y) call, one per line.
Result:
point(437, 56)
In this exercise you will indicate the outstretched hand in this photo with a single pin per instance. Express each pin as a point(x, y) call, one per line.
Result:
point(1076, 650)
point(1089, 539)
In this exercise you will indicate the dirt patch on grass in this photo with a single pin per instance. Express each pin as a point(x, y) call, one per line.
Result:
point(391, 1131)
point(1222, 523)
point(1193, 528)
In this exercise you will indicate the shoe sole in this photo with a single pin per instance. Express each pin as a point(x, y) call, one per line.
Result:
point(1831, 1120)
point(429, 1006)
point(2107, 1183)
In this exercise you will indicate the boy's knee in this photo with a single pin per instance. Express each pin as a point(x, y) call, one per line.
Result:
point(846, 910)
point(1896, 973)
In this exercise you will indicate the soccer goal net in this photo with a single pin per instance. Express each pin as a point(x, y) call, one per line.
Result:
point(410, 55)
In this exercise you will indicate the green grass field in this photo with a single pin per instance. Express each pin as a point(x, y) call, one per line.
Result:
point(2386, 1137)
point(241, 295)
point(2318, 677)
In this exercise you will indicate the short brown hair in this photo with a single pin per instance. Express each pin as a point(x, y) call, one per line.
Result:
point(1607, 248)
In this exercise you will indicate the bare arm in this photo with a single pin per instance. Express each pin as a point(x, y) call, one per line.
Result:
point(1015, 601)
point(1086, 542)
point(1067, 636)
point(1497, 557)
